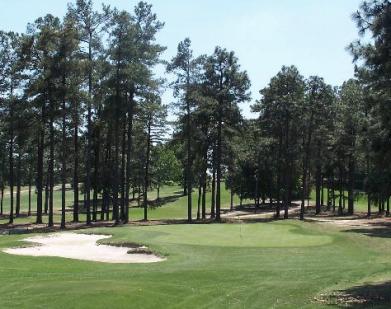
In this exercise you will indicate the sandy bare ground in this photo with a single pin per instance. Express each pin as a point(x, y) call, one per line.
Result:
point(356, 221)
point(82, 247)
point(250, 215)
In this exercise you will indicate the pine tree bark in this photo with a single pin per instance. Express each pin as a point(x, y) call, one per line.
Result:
point(147, 162)
point(351, 186)
point(199, 201)
point(203, 207)
point(18, 184)
point(213, 199)
point(129, 150)
point(40, 154)
point(11, 165)
point(2, 200)
point(29, 202)
point(189, 176)
point(2, 187)
point(63, 159)
point(51, 164)
point(123, 172)
point(96, 185)
point(341, 193)
point(318, 185)
point(218, 168)
point(76, 164)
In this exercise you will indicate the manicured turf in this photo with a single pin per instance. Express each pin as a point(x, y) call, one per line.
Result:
point(282, 264)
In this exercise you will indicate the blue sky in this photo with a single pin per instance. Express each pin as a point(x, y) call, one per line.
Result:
point(265, 34)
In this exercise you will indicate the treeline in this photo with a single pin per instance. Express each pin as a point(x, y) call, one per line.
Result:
point(80, 105)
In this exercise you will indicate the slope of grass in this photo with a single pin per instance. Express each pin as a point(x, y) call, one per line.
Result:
point(283, 264)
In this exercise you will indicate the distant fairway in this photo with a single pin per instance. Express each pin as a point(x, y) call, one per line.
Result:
point(262, 265)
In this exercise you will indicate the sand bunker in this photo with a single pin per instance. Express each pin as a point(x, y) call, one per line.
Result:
point(82, 247)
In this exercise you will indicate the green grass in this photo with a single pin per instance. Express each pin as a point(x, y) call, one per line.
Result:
point(283, 264)
point(175, 208)
point(360, 201)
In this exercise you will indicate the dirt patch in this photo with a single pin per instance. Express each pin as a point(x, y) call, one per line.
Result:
point(357, 221)
point(84, 247)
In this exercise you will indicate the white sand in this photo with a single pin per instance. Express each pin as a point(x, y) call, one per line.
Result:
point(81, 247)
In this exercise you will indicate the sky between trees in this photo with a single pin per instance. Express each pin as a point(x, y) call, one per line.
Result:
point(310, 34)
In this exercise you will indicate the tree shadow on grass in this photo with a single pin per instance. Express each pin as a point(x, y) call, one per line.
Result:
point(163, 201)
point(359, 297)
point(266, 207)
point(381, 230)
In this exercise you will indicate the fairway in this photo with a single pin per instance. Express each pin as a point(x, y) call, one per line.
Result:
point(264, 265)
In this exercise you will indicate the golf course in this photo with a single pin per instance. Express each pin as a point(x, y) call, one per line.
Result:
point(195, 154)
point(266, 264)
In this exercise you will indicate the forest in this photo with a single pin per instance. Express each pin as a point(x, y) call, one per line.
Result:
point(81, 107)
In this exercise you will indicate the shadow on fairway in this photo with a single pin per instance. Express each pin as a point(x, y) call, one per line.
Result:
point(364, 296)
point(379, 231)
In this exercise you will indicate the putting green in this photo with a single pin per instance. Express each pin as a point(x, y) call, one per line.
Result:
point(272, 235)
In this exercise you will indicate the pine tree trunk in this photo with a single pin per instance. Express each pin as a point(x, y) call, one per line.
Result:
point(76, 166)
point(106, 182)
point(47, 194)
point(89, 135)
point(129, 154)
point(40, 154)
point(51, 166)
point(203, 207)
point(146, 176)
point(218, 169)
point(96, 173)
point(63, 163)
point(278, 188)
point(116, 176)
point(123, 174)
point(369, 213)
point(2, 188)
point(318, 177)
point(2, 200)
point(328, 197)
point(184, 181)
point(306, 159)
point(341, 193)
point(18, 186)
point(189, 176)
point(351, 187)
point(213, 198)
point(11, 163)
point(322, 191)
point(199, 202)
point(333, 191)
point(29, 210)
point(286, 166)
point(232, 200)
